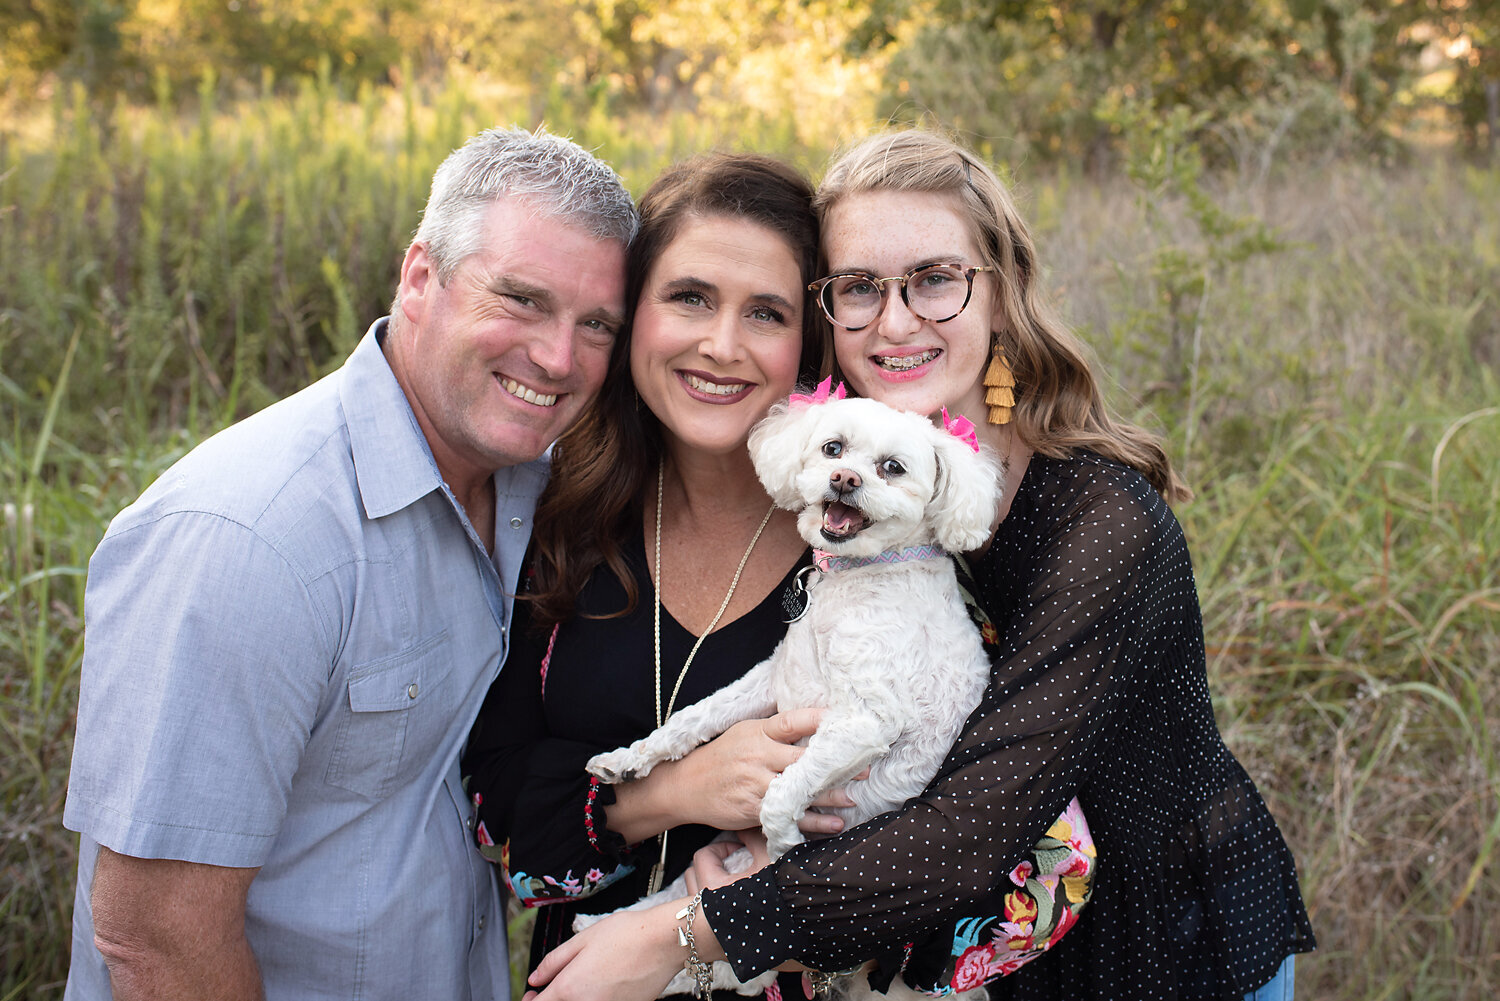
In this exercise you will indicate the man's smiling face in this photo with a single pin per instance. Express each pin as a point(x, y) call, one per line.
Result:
point(504, 356)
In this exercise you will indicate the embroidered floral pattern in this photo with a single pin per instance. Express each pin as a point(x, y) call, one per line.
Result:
point(588, 812)
point(538, 891)
point(1036, 914)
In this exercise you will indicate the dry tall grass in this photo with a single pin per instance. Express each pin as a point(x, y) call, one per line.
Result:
point(1347, 538)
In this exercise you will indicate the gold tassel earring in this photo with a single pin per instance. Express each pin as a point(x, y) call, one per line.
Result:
point(999, 380)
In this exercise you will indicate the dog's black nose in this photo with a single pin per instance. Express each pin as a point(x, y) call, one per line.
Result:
point(844, 480)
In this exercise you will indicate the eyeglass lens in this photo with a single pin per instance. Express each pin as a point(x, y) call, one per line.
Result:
point(937, 293)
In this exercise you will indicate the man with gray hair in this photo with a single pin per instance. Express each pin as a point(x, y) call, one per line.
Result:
point(290, 632)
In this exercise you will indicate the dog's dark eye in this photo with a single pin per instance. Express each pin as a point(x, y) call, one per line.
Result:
point(892, 467)
point(833, 449)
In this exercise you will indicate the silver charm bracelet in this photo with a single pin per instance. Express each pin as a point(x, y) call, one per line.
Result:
point(701, 972)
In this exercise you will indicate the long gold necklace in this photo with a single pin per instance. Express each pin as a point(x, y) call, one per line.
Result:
point(661, 717)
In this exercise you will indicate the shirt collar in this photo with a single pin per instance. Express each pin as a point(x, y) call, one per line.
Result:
point(392, 462)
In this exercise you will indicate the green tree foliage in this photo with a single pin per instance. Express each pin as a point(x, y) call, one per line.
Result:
point(242, 39)
point(655, 55)
point(1324, 76)
point(721, 59)
point(1469, 30)
point(1313, 73)
point(81, 37)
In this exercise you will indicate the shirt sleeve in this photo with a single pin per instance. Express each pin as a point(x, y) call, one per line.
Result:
point(1057, 684)
point(202, 676)
point(539, 813)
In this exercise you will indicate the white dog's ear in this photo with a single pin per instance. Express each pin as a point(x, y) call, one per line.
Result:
point(966, 495)
point(776, 445)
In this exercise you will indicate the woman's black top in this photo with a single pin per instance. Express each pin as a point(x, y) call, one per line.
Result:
point(1099, 689)
point(525, 758)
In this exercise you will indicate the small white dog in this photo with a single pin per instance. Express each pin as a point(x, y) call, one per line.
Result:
point(881, 639)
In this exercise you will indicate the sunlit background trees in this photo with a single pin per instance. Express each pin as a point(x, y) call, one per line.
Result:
point(1331, 74)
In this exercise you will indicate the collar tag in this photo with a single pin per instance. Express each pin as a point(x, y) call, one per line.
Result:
point(796, 598)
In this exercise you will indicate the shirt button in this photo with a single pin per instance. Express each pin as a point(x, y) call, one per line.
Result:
point(516, 523)
point(470, 821)
point(481, 922)
point(411, 690)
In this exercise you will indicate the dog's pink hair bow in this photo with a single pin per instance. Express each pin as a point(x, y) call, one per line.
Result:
point(961, 428)
point(822, 394)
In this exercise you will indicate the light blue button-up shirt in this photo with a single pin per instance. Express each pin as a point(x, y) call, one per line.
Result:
point(287, 638)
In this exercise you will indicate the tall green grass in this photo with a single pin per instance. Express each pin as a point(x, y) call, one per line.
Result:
point(216, 259)
point(162, 274)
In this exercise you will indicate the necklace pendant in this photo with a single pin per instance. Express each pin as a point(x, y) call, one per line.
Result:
point(654, 883)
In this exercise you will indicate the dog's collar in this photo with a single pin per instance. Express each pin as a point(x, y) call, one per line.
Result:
point(795, 599)
point(830, 563)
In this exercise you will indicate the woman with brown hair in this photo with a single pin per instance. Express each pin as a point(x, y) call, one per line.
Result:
point(1099, 687)
point(657, 558)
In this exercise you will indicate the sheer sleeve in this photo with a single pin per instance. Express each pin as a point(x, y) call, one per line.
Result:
point(1082, 609)
point(539, 815)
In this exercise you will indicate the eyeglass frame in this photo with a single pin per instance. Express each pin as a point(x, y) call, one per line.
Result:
point(818, 286)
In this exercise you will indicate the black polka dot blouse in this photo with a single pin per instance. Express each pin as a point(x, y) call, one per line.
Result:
point(1099, 689)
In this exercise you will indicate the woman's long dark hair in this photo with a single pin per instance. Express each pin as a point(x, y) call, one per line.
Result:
point(601, 465)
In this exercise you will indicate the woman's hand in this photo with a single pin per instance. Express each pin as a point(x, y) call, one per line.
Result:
point(633, 955)
point(724, 780)
point(721, 783)
point(629, 956)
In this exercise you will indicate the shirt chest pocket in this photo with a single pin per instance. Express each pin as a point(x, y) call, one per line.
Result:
point(396, 720)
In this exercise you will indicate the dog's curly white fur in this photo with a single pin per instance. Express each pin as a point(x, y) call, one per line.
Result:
point(865, 480)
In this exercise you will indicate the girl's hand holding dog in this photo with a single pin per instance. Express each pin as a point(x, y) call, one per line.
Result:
point(629, 956)
point(721, 783)
point(633, 955)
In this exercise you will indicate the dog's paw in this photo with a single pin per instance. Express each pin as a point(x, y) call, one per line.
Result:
point(614, 767)
point(724, 979)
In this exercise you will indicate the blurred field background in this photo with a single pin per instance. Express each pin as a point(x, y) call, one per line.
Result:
point(1278, 224)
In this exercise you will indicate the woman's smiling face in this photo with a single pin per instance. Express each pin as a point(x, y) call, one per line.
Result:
point(900, 359)
point(717, 334)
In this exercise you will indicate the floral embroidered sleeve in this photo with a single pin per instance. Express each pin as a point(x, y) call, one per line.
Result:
point(538, 814)
point(1049, 890)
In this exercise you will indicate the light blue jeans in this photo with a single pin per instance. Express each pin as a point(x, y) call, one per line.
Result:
point(1279, 988)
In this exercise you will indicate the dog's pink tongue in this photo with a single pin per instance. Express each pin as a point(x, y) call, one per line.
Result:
point(841, 519)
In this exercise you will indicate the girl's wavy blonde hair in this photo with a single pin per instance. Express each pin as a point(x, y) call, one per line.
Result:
point(1059, 407)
